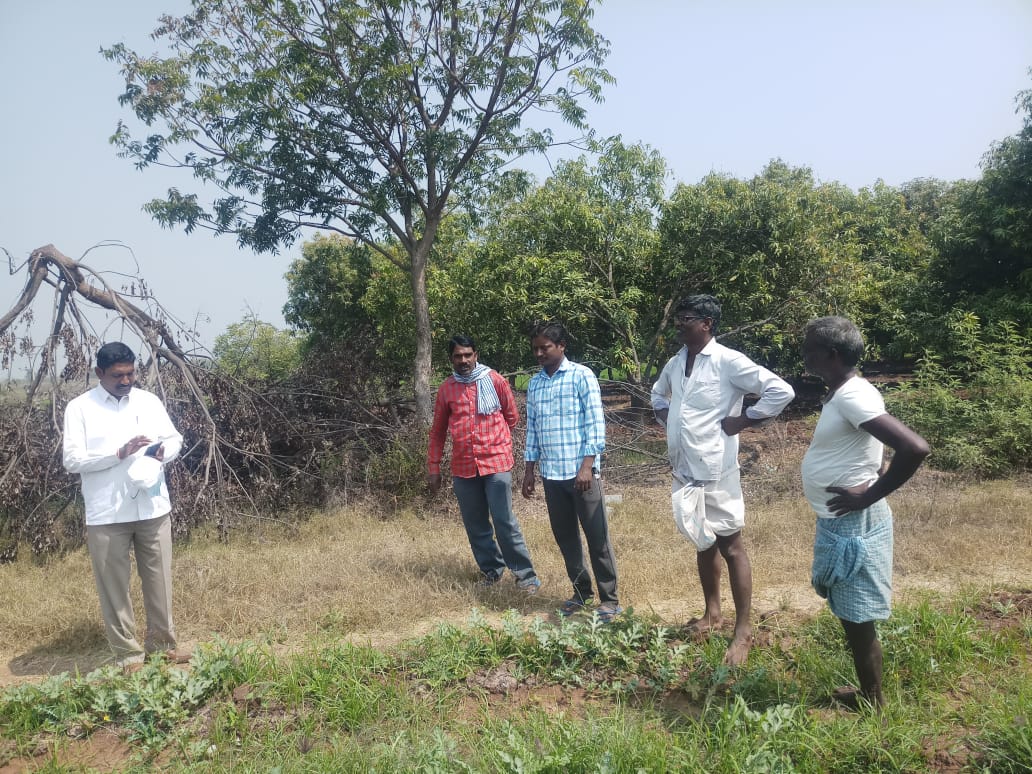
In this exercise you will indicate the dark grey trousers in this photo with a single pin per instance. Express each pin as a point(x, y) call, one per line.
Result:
point(566, 508)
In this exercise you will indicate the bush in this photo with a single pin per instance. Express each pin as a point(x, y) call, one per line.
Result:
point(250, 447)
point(975, 413)
point(398, 469)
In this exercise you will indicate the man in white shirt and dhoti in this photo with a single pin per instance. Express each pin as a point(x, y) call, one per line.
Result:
point(699, 397)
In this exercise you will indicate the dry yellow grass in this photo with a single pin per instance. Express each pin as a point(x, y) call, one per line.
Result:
point(349, 574)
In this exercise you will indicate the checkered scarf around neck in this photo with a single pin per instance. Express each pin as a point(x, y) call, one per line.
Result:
point(487, 398)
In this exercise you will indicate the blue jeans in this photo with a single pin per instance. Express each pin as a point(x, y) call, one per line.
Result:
point(492, 494)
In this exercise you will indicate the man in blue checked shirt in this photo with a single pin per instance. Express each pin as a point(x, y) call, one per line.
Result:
point(566, 435)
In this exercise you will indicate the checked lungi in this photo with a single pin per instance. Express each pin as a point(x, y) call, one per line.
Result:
point(852, 563)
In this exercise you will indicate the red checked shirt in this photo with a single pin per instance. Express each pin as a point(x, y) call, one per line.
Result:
point(481, 443)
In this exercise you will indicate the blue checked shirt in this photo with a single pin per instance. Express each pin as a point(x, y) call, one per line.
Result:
point(565, 422)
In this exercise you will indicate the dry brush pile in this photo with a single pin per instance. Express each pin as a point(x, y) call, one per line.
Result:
point(249, 450)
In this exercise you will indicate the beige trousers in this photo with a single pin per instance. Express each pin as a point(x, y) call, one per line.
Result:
point(151, 542)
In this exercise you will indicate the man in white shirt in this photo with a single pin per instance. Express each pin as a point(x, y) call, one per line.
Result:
point(118, 438)
point(846, 481)
point(698, 397)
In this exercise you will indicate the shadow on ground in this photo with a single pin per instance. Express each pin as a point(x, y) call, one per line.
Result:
point(44, 661)
point(81, 648)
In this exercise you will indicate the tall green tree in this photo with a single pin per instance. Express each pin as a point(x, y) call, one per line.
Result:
point(343, 296)
point(776, 250)
point(580, 248)
point(981, 268)
point(255, 350)
point(895, 253)
point(989, 247)
point(985, 234)
point(362, 117)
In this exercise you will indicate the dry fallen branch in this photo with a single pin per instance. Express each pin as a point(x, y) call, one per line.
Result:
point(248, 449)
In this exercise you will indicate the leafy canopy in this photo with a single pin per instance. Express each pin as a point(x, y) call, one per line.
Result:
point(255, 350)
point(364, 117)
point(354, 116)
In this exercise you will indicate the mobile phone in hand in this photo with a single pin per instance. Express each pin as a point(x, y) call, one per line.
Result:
point(152, 450)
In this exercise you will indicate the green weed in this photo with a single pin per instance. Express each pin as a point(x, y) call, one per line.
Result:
point(631, 696)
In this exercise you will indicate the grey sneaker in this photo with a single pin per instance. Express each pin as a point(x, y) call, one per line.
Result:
point(487, 581)
point(529, 586)
point(571, 606)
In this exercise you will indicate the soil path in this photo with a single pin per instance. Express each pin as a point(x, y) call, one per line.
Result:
point(794, 601)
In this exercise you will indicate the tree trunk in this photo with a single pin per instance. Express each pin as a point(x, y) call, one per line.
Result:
point(424, 334)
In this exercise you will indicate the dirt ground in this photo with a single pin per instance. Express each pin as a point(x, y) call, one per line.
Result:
point(105, 750)
point(769, 459)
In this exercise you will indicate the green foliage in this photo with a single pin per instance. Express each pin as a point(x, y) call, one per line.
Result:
point(982, 232)
point(367, 119)
point(337, 682)
point(253, 350)
point(580, 248)
point(422, 706)
point(452, 653)
point(776, 250)
point(928, 647)
point(398, 470)
point(975, 412)
point(1004, 741)
point(986, 237)
point(356, 116)
point(346, 297)
point(150, 704)
point(895, 255)
point(326, 287)
point(577, 248)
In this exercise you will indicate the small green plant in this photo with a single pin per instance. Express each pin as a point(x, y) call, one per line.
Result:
point(628, 697)
point(150, 703)
point(976, 412)
point(399, 469)
point(1004, 743)
point(926, 647)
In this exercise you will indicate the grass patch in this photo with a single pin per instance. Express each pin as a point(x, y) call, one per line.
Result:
point(354, 647)
point(576, 696)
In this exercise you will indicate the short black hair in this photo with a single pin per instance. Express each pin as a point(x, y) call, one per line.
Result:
point(839, 334)
point(553, 331)
point(460, 340)
point(704, 306)
point(114, 352)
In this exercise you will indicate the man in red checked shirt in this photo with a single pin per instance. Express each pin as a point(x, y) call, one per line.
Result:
point(476, 405)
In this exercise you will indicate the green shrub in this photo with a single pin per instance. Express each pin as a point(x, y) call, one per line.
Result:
point(976, 411)
point(399, 468)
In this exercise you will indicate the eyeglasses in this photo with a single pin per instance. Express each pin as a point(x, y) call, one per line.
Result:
point(687, 318)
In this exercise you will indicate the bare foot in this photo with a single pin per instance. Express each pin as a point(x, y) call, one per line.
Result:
point(847, 696)
point(738, 650)
point(701, 628)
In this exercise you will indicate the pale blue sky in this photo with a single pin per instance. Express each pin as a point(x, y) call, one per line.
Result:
point(890, 89)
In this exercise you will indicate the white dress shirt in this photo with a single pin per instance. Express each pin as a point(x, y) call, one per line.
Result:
point(721, 377)
point(96, 425)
